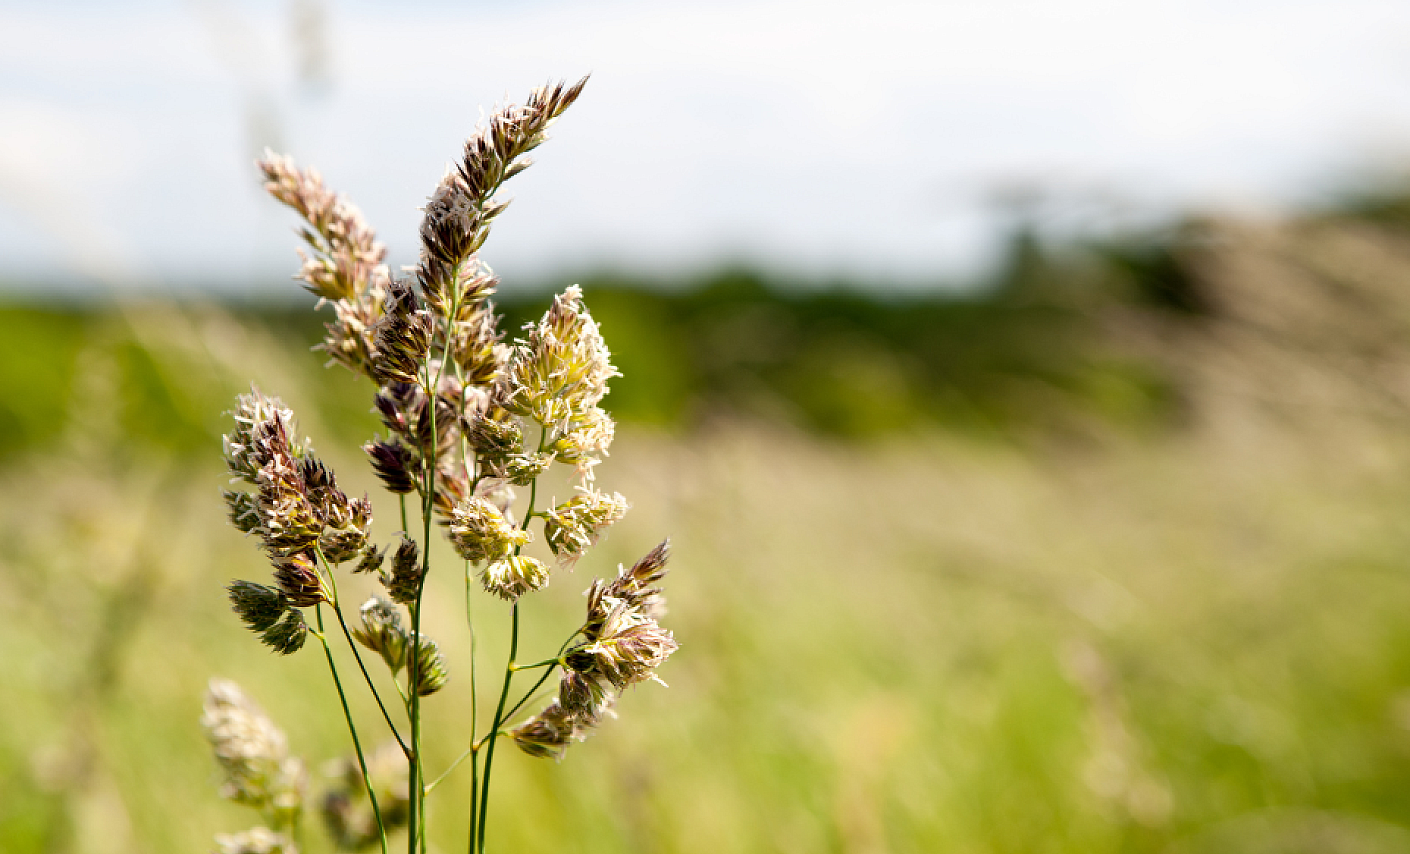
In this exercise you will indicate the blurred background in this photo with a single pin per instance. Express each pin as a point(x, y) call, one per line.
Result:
point(1025, 388)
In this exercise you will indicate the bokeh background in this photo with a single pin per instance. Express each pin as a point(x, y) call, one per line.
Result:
point(1025, 388)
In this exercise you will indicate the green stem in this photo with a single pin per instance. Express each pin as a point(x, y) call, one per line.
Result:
point(544, 678)
point(417, 817)
point(446, 773)
point(366, 676)
point(352, 645)
point(474, 796)
point(498, 721)
point(402, 499)
point(537, 664)
point(474, 712)
point(524, 699)
point(352, 730)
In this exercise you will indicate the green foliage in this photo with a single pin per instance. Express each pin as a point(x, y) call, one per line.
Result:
point(38, 350)
point(1192, 645)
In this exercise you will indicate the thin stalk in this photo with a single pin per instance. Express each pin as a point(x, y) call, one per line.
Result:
point(474, 712)
point(537, 664)
point(417, 805)
point(417, 816)
point(498, 721)
point(352, 645)
point(352, 730)
point(524, 699)
point(402, 499)
point(446, 773)
point(544, 678)
point(474, 796)
point(508, 678)
point(385, 716)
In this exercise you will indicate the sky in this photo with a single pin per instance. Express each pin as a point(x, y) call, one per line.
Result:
point(882, 142)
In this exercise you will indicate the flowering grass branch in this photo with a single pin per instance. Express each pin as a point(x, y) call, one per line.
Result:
point(469, 420)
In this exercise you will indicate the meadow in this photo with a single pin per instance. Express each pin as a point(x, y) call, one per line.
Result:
point(1083, 597)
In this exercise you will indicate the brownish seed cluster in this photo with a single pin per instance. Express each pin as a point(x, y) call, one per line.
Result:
point(623, 644)
point(469, 421)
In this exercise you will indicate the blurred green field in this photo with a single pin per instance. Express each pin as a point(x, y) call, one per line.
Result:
point(1159, 608)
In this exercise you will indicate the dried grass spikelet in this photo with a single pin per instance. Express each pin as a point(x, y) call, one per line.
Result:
point(370, 560)
point(559, 369)
point(587, 700)
point(252, 752)
point(513, 576)
point(299, 580)
point(457, 217)
point(576, 525)
point(258, 606)
point(636, 586)
point(405, 409)
point(263, 425)
point(256, 840)
point(627, 648)
point(269, 614)
point(480, 532)
point(476, 344)
point(523, 469)
point(429, 669)
point(288, 521)
point(346, 251)
point(404, 581)
point(585, 440)
point(494, 435)
point(402, 336)
point(297, 505)
point(345, 266)
point(381, 631)
point(395, 464)
point(625, 644)
point(347, 812)
point(350, 340)
point(288, 635)
point(453, 277)
point(345, 521)
point(548, 734)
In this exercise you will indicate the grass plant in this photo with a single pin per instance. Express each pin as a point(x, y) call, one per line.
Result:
point(469, 419)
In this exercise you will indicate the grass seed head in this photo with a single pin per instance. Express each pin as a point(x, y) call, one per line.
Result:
point(381, 631)
point(251, 751)
point(480, 532)
point(405, 579)
point(298, 579)
point(430, 671)
point(346, 254)
point(263, 426)
point(494, 437)
point(577, 524)
point(402, 336)
point(288, 635)
point(371, 559)
point(258, 606)
point(560, 368)
point(513, 576)
point(394, 464)
point(625, 645)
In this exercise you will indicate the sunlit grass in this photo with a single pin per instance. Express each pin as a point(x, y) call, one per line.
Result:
point(1191, 643)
